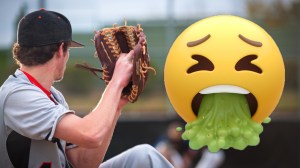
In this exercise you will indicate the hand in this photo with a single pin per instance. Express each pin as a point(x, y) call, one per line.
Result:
point(123, 69)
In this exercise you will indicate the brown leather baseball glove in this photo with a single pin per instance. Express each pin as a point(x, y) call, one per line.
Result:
point(110, 43)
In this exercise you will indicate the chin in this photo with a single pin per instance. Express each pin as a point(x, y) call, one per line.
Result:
point(58, 79)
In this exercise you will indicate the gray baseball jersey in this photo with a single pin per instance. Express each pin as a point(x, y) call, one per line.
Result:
point(28, 120)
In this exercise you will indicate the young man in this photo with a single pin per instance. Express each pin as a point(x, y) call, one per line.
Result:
point(37, 128)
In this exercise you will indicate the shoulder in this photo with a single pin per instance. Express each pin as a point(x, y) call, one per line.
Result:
point(17, 88)
point(14, 86)
point(14, 83)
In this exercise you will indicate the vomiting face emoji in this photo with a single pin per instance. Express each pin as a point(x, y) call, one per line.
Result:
point(224, 75)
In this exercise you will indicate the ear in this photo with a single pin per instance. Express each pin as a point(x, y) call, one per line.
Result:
point(60, 51)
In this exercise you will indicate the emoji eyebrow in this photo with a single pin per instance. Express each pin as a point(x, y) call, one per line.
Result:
point(197, 42)
point(251, 42)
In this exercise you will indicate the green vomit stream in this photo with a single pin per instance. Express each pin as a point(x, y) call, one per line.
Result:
point(224, 121)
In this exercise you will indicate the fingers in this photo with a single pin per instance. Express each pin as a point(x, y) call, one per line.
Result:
point(142, 39)
point(137, 49)
point(128, 56)
point(124, 68)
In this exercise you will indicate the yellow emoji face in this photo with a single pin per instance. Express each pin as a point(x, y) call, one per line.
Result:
point(224, 54)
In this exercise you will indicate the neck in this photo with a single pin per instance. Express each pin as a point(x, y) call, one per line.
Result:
point(41, 73)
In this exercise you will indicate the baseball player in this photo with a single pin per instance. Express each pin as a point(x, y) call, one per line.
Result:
point(37, 128)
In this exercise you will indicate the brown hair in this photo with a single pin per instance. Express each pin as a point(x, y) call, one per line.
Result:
point(31, 56)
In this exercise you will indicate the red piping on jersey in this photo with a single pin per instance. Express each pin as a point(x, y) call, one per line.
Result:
point(46, 164)
point(37, 84)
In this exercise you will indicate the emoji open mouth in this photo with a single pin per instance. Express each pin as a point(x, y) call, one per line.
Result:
point(252, 102)
point(223, 119)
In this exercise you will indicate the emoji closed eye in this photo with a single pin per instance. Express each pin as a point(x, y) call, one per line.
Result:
point(204, 64)
point(245, 64)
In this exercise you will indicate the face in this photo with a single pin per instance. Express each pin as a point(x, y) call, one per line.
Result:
point(224, 54)
point(62, 66)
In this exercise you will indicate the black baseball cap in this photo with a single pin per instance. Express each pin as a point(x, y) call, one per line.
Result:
point(44, 27)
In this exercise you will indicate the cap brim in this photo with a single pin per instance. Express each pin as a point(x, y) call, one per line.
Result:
point(75, 44)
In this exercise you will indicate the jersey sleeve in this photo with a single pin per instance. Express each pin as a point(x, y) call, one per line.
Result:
point(31, 113)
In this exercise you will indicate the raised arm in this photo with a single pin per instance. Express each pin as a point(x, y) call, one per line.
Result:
point(94, 131)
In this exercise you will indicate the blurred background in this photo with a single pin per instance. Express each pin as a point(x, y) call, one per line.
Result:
point(163, 20)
